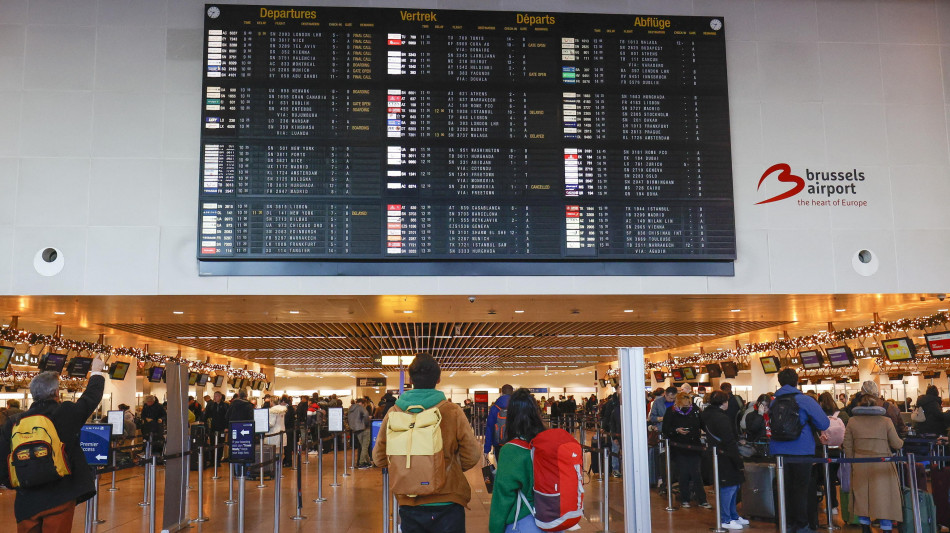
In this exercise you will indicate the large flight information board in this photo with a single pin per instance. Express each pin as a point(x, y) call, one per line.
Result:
point(406, 141)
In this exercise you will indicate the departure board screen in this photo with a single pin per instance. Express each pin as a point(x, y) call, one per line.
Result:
point(408, 141)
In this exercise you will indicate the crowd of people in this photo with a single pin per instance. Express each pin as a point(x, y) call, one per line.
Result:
point(792, 423)
point(787, 422)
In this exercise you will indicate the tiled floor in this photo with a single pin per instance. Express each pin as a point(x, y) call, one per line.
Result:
point(353, 507)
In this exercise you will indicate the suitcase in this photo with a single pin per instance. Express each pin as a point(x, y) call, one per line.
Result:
point(928, 513)
point(940, 483)
point(270, 451)
point(758, 491)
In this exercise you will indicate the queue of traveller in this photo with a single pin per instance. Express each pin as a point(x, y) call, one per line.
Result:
point(795, 424)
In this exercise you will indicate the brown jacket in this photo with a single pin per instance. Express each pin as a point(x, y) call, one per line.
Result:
point(459, 448)
point(875, 488)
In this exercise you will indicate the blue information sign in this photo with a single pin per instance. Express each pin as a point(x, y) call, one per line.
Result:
point(94, 440)
point(538, 390)
point(242, 442)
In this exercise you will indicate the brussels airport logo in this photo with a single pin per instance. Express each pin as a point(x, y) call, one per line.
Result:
point(819, 188)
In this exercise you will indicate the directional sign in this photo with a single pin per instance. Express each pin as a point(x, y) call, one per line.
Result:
point(117, 420)
point(335, 419)
point(94, 441)
point(242, 442)
point(261, 420)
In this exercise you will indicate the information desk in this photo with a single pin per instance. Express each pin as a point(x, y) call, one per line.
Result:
point(406, 141)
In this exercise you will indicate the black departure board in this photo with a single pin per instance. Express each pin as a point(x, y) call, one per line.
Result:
point(407, 141)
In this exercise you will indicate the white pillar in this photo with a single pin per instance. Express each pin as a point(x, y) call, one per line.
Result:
point(121, 391)
point(636, 488)
point(865, 370)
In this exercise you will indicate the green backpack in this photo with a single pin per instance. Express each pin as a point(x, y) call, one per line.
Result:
point(928, 513)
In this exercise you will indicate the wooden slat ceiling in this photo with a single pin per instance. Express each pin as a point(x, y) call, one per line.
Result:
point(342, 332)
point(464, 346)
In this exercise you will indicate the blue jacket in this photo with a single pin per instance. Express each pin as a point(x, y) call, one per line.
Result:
point(501, 402)
point(813, 419)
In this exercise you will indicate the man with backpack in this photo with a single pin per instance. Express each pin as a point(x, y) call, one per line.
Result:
point(495, 425)
point(794, 419)
point(427, 444)
point(48, 468)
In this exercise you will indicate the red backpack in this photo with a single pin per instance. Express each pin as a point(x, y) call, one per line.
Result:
point(558, 462)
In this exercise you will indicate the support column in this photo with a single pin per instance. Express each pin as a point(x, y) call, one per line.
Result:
point(865, 369)
point(636, 493)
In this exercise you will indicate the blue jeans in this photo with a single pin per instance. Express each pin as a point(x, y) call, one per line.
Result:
point(886, 525)
point(727, 503)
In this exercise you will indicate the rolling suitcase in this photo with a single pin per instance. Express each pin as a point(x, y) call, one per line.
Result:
point(940, 482)
point(270, 451)
point(758, 491)
point(928, 513)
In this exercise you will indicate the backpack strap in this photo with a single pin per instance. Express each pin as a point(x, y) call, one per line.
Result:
point(524, 499)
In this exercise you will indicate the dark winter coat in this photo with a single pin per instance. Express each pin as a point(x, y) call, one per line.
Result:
point(691, 421)
point(68, 418)
point(722, 434)
point(217, 413)
point(755, 427)
point(935, 422)
point(241, 410)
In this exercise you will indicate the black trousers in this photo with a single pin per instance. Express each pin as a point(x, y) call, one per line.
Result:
point(801, 502)
point(690, 477)
point(432, 518)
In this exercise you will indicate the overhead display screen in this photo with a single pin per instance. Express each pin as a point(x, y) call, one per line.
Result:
point(406, 141)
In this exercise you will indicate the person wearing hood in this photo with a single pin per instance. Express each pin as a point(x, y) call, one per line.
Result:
point(493, 442)
point(875, 487)
point(870, 388)
point(445, 510)
point(935, 423)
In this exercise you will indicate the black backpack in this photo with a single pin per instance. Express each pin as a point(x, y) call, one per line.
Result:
point(784, 417)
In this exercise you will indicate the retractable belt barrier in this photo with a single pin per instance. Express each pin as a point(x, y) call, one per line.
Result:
point(910, 460)
point(276, 461)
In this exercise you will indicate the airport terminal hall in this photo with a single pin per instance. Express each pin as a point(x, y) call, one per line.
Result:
point(446, 266)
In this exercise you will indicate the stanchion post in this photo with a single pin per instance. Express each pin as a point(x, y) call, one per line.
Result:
point(344, 454)
point(148, 455)
point(241, 500)
point(395, 514)
point(113, 488)
point(914, 501)
point(353, 449)
point(669, 482)
point(217, 454)
point(336, 450)
point(295, 458)
point(95, 504)
point(201, 486)
point(780, 478)
point(605, 518)
point(230, 500)
point(320, 498)
point(88, 521)
point(715, 461)
point(278, 467)
point(306, 444)
point(297, 515)
point(385, 500)
point(151, 495)
point(261, 473)
point(828, 488)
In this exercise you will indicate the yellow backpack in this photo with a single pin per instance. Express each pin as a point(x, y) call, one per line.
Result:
point(414, 448)
point(37, 455)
